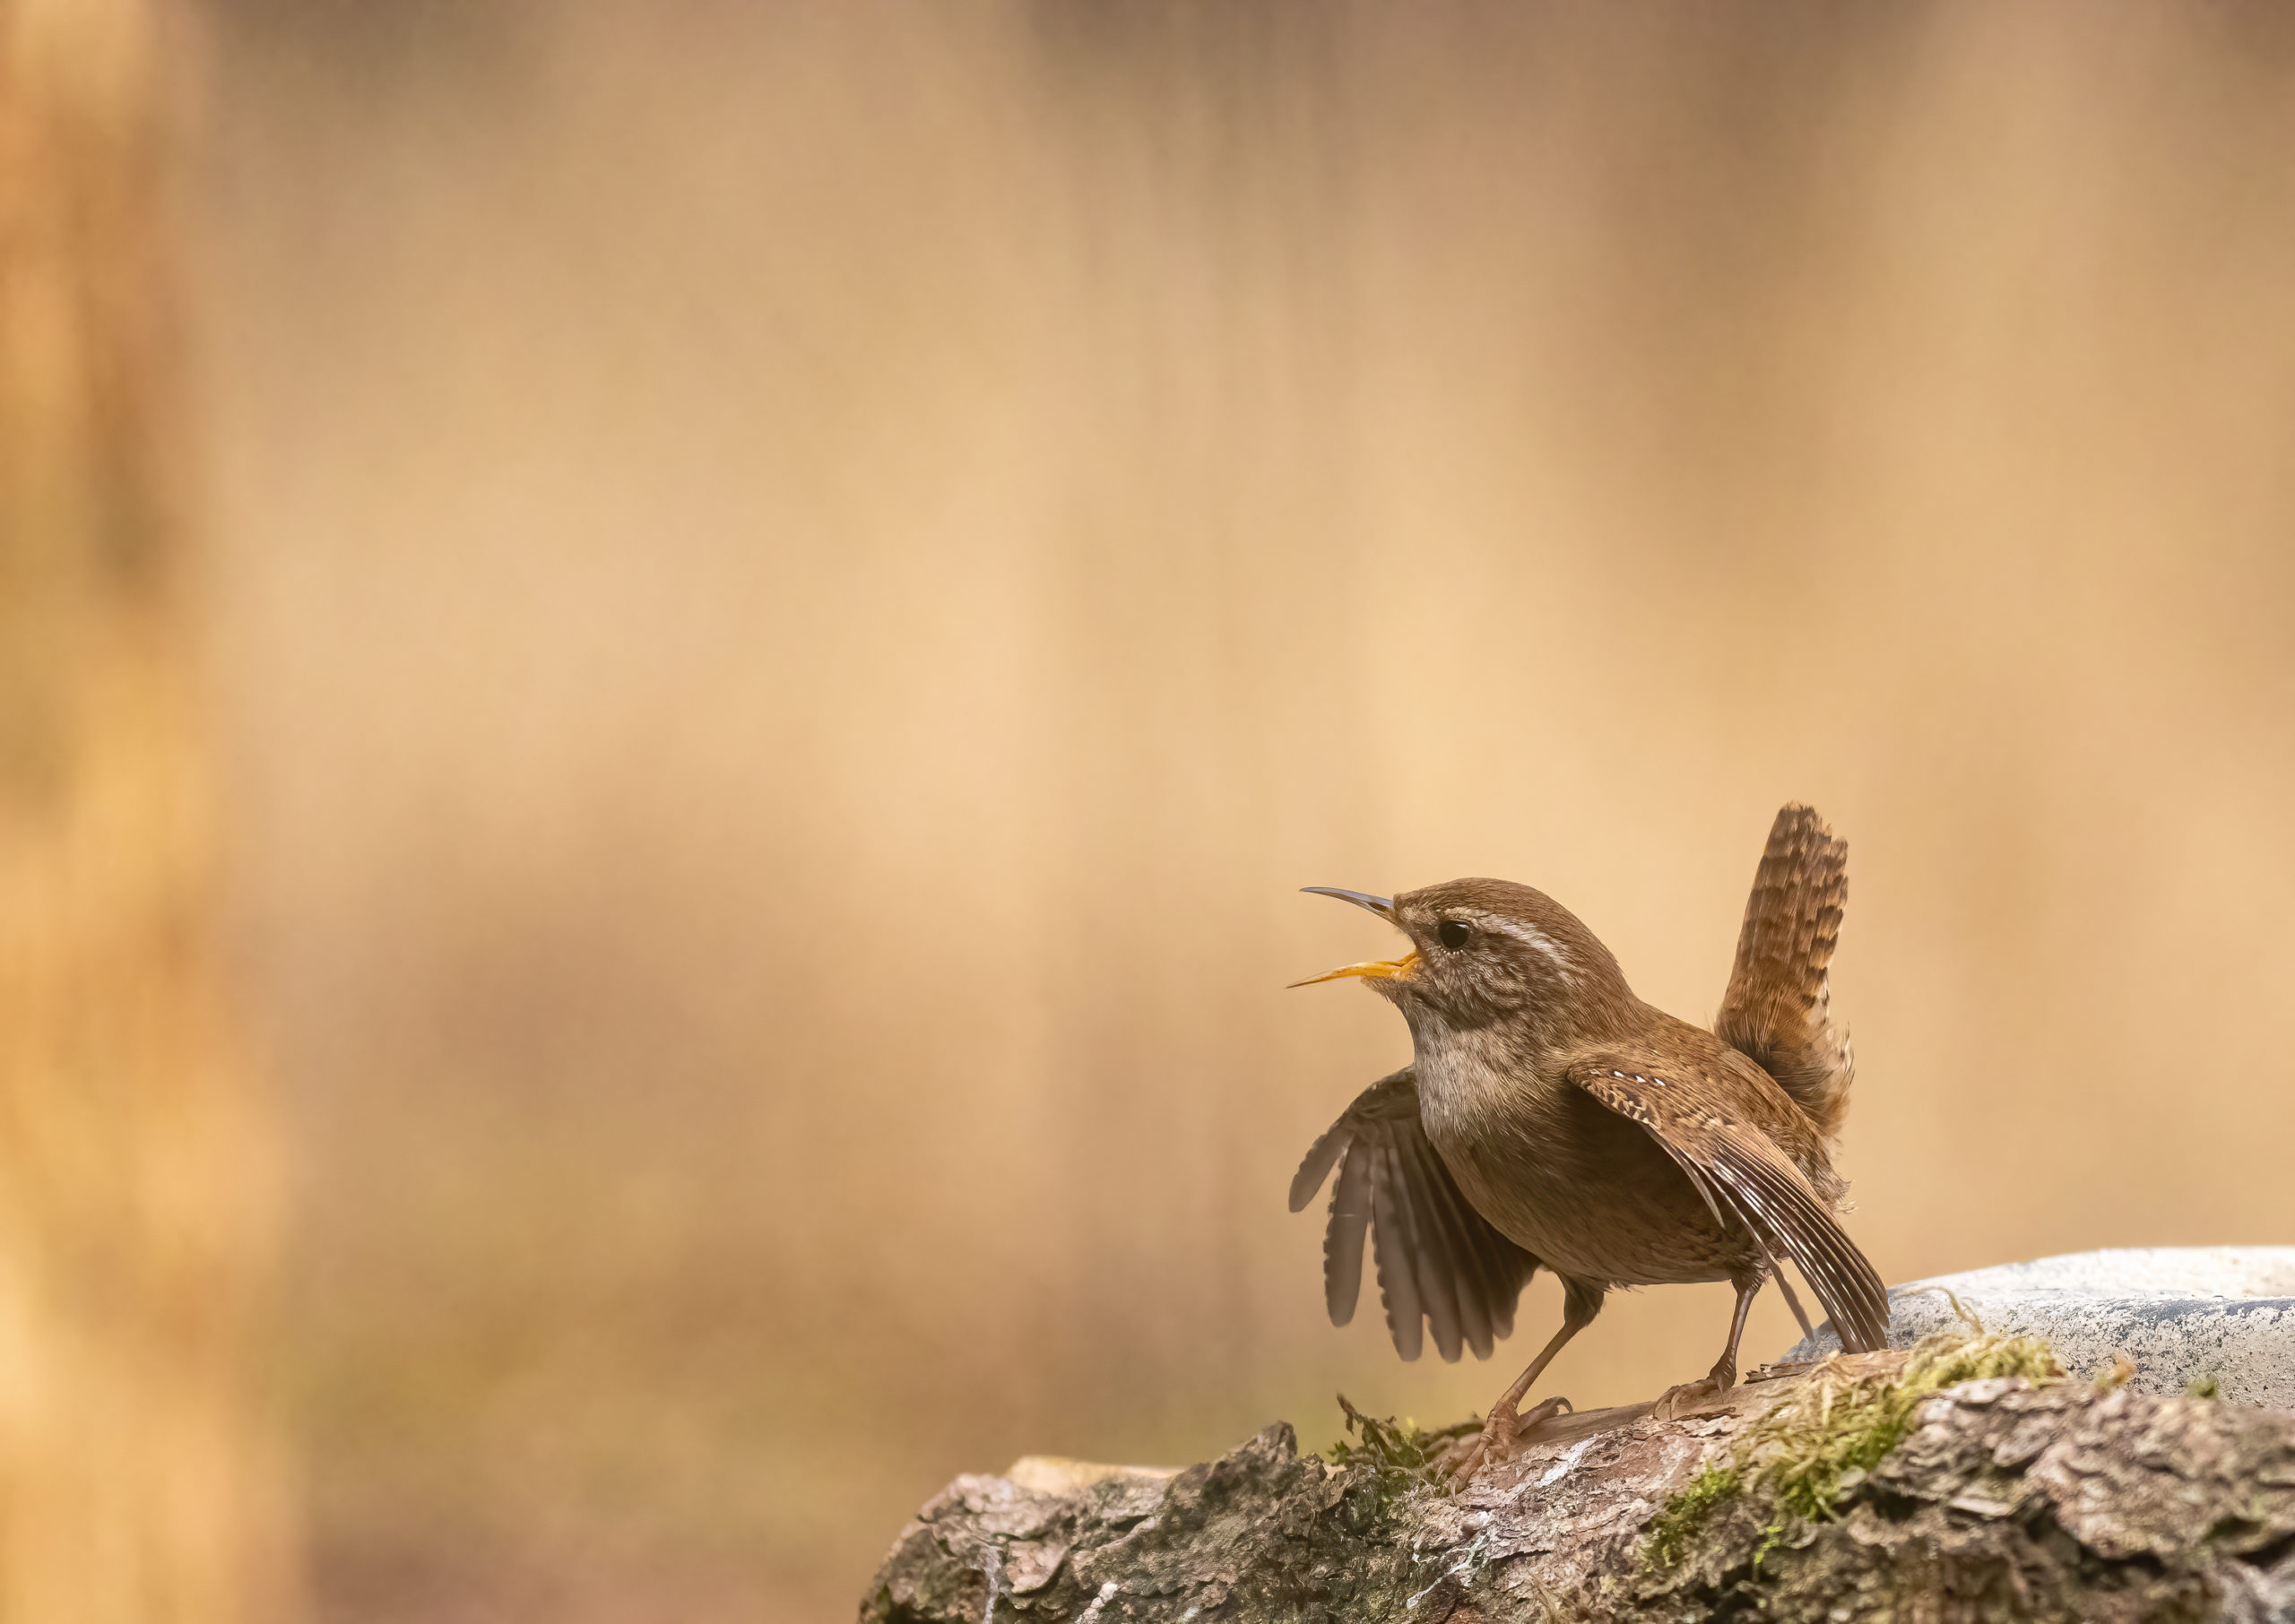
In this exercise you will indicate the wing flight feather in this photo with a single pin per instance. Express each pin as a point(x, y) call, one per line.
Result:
point(1442, 1269)
point(1725, 1155)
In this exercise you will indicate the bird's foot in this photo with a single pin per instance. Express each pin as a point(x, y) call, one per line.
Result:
point(1691, 1398)
point(1501, 1433)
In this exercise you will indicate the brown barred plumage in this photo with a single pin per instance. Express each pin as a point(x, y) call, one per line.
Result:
point(1779, 1008)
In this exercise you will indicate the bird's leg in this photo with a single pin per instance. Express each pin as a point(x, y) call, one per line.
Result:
point(1724, 1375)
point(1794, 1303)
point(1580, 1302)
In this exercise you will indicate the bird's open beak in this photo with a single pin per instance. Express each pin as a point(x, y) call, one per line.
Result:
point(1378, 969)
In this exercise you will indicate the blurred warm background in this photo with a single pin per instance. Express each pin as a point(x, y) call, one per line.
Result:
point(748, 616)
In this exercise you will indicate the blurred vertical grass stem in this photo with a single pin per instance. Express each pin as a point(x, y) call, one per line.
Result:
point(135, 1167)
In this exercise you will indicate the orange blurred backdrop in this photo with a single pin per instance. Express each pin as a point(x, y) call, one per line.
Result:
point(797, 588)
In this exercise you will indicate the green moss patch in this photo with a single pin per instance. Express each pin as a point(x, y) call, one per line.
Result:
point(1401, 1455)
point(1819, 1443)
point(1687, 1513)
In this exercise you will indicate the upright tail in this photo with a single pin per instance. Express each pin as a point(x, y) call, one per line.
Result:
point(1779, 1008)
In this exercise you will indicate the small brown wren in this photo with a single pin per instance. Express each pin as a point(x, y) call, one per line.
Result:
point(1551, 1119)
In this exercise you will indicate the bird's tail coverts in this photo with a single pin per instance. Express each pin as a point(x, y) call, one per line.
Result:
point(1778, 1010)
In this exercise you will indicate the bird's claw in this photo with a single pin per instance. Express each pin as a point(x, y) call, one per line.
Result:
point(1689, 1398)
point(1501, 1433)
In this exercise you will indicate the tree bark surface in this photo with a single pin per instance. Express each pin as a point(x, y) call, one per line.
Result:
point(2005, 1500)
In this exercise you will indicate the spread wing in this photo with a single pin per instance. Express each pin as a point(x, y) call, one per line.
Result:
point(1744, 1177)
point(1778, 1009)
point(1439, 1260)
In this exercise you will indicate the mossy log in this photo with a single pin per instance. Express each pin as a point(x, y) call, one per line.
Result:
point(2002, 1497)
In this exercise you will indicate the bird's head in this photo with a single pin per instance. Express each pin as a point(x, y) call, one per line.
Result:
point(1482, 950)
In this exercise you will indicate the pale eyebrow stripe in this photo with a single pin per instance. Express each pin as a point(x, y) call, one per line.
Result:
point(1537, 939)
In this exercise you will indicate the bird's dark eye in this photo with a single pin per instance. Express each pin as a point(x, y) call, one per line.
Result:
point(1454, 933)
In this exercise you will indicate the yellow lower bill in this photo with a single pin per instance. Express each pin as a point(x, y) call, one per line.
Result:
point(1377, 970)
